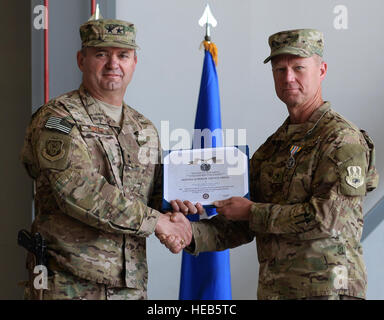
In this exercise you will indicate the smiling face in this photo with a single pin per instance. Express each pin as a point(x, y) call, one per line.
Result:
point(298, 80)
point(106, 70)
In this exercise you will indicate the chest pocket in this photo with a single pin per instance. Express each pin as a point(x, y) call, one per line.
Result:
point(122, 160)
point(105, 152)
point(271, 181)
point(299, 178)
point(140, 157)
point(272, 168)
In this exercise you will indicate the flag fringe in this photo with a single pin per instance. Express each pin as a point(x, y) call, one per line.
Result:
point(211, 47)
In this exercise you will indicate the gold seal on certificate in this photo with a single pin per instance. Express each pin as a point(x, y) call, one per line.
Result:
point(205, 175)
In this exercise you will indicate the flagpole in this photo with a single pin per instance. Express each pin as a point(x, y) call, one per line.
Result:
point(93, 6)
point(207, 276)
point(46, 52)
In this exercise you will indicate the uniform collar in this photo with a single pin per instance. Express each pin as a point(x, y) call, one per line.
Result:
point(92, 107)
point(96, 114)
point(299, 131)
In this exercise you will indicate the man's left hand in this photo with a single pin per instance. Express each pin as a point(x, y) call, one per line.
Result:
point(235, 208)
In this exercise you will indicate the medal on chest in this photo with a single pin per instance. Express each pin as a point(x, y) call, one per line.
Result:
point(295, 149)
point(291, 160)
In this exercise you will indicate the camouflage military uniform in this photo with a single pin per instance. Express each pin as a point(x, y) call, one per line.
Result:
point(96, 185)
point(307, 216)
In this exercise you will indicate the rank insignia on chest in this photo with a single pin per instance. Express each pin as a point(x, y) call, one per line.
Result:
point(53, 150)
point(354, 177)
point(291, 160)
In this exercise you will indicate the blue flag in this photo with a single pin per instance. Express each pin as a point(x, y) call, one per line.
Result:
point(207, 276)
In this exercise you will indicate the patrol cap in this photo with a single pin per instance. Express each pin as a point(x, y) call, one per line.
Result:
point(300, 42)
point(108, 33)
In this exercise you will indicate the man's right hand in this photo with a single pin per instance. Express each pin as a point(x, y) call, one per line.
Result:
point(174, 231)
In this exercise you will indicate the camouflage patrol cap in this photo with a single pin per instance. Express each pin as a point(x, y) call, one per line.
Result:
point(108, 33)
point(301, 42)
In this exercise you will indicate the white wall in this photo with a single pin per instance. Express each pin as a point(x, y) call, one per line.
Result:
point(167, 79)
point(374, 258)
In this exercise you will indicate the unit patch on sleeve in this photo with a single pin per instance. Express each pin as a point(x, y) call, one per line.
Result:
point(354, 177)
point(352, 164)
point(53, 150)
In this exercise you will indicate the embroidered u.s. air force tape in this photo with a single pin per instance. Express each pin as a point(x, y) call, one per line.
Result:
point(59, 124)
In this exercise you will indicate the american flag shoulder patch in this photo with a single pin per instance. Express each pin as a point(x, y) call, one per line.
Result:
point(59, 124)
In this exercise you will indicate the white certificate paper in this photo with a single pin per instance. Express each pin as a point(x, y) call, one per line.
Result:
point(205, 175)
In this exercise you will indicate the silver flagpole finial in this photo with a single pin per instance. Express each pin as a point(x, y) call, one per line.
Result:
point(207, 20)
point(97, 12)
point(96, 15)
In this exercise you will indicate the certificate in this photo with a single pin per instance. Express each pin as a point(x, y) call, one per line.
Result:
point(205, 175)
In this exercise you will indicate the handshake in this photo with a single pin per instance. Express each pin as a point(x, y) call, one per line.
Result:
point(174, 230)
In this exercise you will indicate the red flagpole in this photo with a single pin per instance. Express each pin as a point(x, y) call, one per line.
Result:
point(46, 53)
point(46, 47)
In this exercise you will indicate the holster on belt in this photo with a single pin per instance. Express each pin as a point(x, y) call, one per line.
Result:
point(37, 256)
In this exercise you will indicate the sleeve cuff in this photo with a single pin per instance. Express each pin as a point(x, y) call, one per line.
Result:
point(194, 245)
point(149, 223)
point(256, 221)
